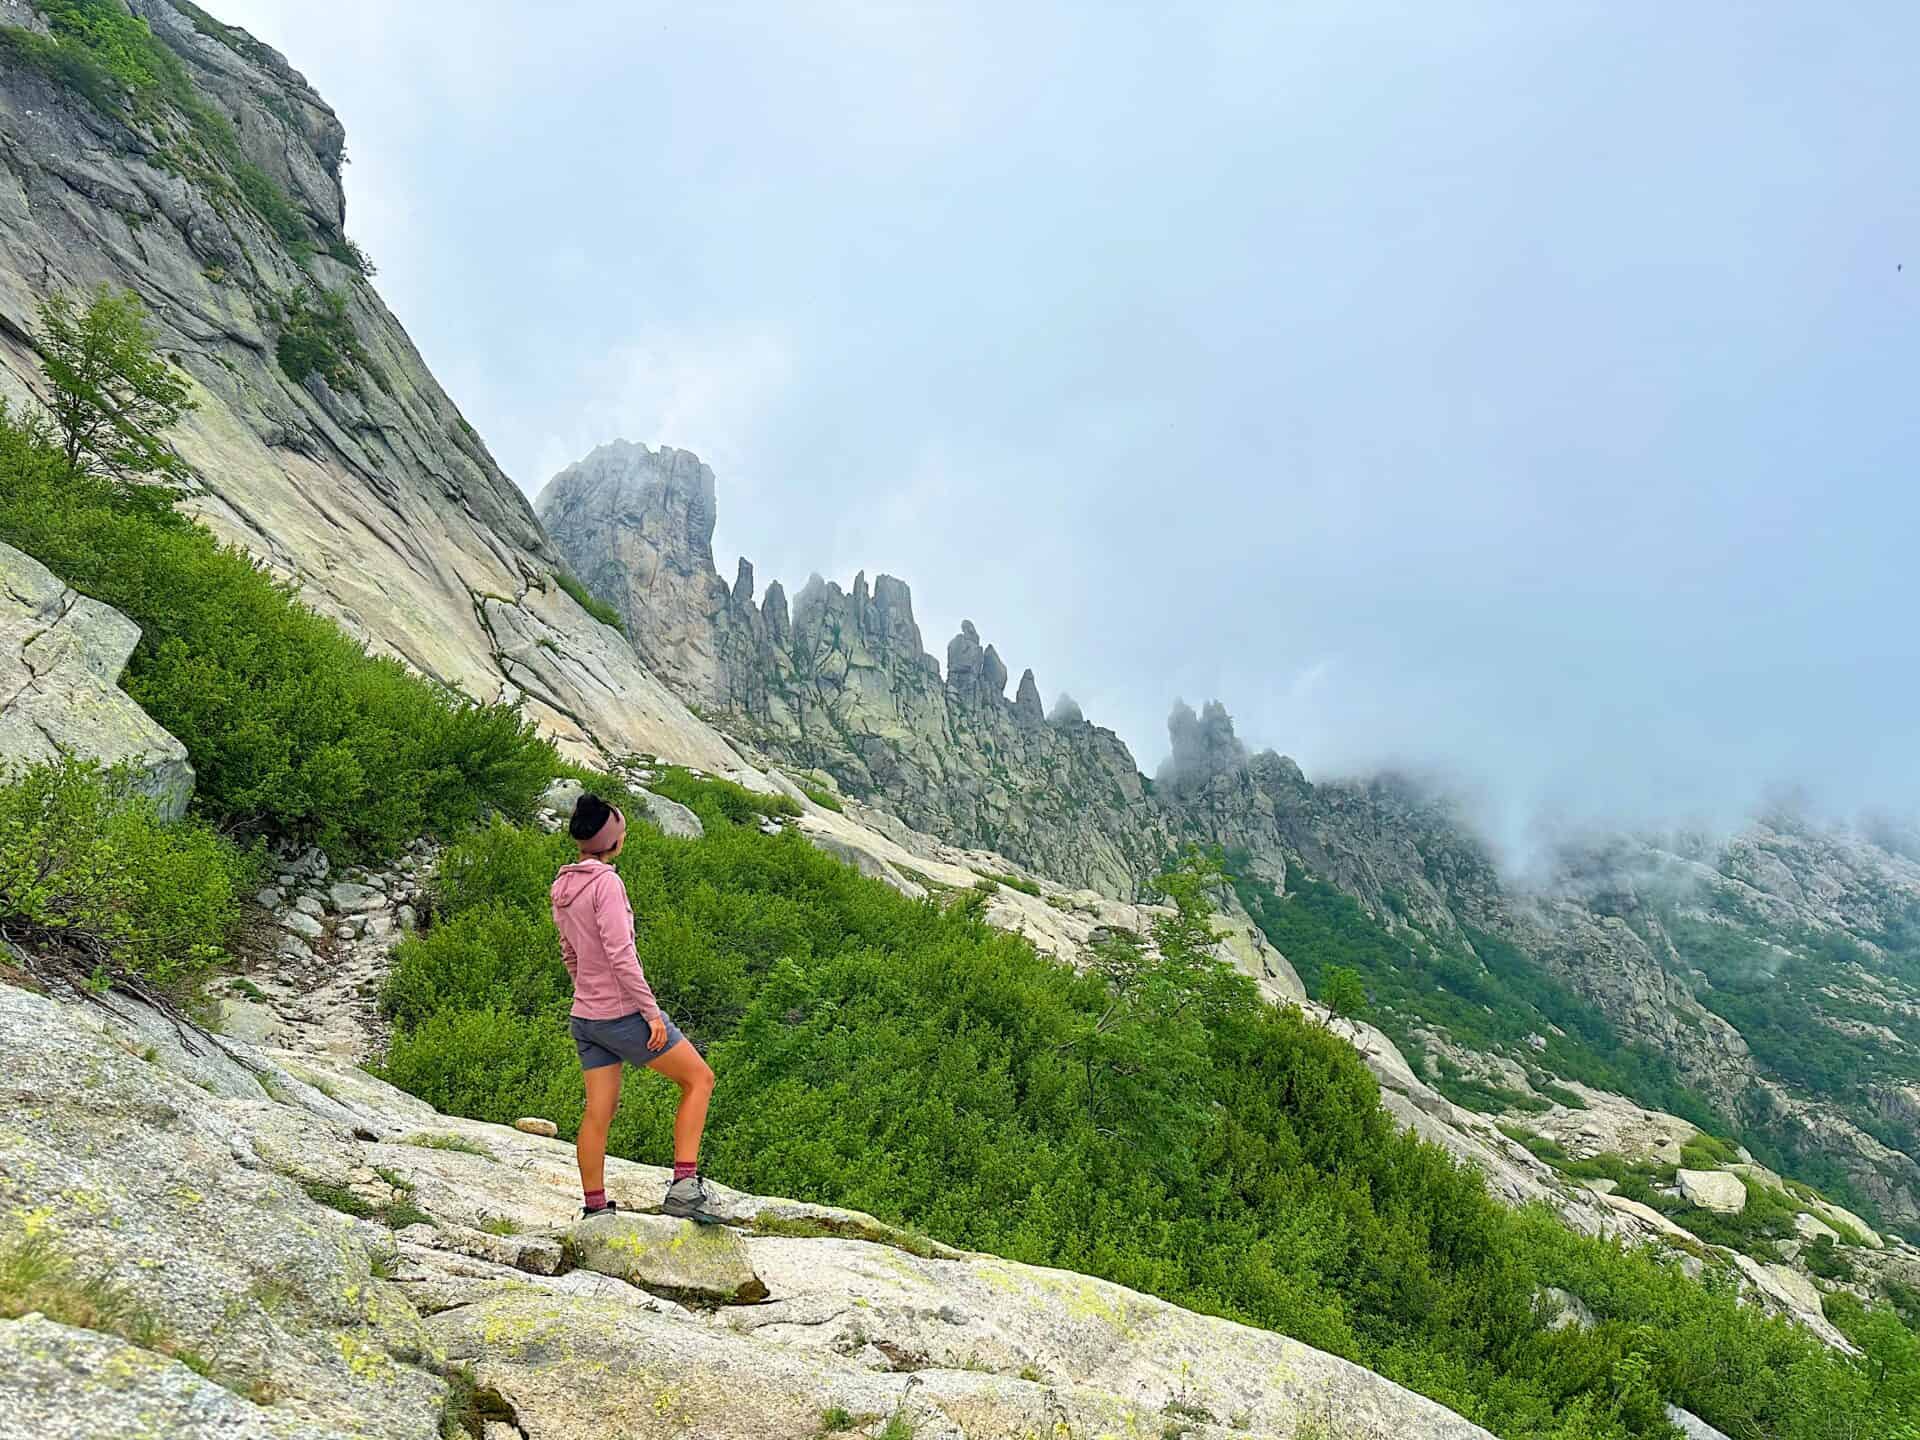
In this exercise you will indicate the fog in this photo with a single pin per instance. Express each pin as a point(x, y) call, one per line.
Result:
point(1521, 395)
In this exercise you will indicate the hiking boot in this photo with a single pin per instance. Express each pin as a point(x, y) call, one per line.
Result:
point(612, 1207)
point(689, 1199)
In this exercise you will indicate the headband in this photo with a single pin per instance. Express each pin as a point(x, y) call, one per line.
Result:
point(608, 835)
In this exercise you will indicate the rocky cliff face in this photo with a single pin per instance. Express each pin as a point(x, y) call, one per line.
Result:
point(841, 681)
point(322, 443)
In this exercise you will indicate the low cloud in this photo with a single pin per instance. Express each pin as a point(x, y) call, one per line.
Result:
point(1204, 746)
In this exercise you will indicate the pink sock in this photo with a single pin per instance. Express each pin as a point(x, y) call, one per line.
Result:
point(596, 1199)
point(685, 1169)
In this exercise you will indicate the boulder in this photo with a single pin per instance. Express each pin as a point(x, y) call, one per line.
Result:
point(1715, 1190)
point(696, 1264)
point(301, 923)
point(1812, 1227)
point(562, 795)
point(61, 655)
point(1568, 1310)
point(672, 817)
point(534, 1125)
point(862, 859)
point(1839, 1217)
point(352, 898)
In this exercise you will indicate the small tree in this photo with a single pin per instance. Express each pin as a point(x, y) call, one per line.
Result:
point(1145, 1054)
point(1343, 992)
point(114, 395)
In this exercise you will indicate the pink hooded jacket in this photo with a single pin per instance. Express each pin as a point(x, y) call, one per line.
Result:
point(596, 942)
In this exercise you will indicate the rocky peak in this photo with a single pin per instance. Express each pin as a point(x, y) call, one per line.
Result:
point(668, 493)
point(743, 583)
point(1026, 700)
point(964, 656)
point(818, 600)
point(1204, 746)
point(994, 672)
point(636, 526)
point(773, 609)
point(894, 624)
point(978, 676)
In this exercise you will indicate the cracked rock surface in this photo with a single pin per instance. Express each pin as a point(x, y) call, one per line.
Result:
point(61, 655)
point(210, 1178)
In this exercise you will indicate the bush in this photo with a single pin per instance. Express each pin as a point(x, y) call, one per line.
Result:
point(716, 800)
point(66, 65)
point(886, 1054)
point(317, 338)
point(293, 729)
point(1708, 1152)
point(589, 602)
point(90, 876)
point(827, 800)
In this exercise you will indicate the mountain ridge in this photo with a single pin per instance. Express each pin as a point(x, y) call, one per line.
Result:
point(844, 684)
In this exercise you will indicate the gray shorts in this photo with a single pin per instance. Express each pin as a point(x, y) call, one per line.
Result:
point(608, 1042)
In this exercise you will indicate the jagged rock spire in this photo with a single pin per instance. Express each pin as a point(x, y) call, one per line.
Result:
point(774, 610)
point(1026, 700)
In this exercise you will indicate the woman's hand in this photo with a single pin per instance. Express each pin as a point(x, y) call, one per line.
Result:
point(656, 1032)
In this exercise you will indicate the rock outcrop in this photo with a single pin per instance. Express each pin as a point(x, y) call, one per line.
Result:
point(841, 680)
point(220, 1191)
point(61, 655)
point(359, 479)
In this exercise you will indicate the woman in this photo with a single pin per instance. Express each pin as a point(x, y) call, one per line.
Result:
point(615, 1017)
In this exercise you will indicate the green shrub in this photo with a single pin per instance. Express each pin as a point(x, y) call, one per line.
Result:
point(348, 252)
point(589, 602)
point(1708, 1152)
point(1825, 1259)
point(270, 203)
point(293, 729)
point(67, 65)
point(90, 874)
point(714, 799)
point(1012, 882)
point(827, 800)
point(1559, 1094)
point(888, 1055)
point(317, 338)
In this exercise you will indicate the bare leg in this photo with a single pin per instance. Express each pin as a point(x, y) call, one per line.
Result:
point(603, 1097)
point(684, 1066)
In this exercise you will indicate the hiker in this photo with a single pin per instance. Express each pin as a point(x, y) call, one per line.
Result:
point(615, 1017)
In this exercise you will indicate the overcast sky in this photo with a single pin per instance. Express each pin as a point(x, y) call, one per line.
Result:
point(1522, 390)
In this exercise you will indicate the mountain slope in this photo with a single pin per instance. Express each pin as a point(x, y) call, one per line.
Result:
point(209, 183)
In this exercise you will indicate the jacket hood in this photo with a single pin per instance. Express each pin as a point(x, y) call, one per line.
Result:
point(576, 879)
